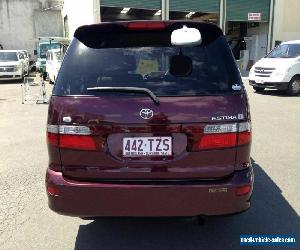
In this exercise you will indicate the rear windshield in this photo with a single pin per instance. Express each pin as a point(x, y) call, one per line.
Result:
point(8, 56)
point(214, 70)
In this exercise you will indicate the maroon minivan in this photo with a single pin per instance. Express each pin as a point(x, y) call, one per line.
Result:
point(149, 119)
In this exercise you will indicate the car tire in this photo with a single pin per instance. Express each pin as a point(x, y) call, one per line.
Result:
point(258, 89)
point(294, 87)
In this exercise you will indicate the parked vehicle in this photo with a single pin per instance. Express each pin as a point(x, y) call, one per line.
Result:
point(126, 141)
point(280, 69)
point(45, 44)
point(25, 61)
point(53, 63)
point(11, 65)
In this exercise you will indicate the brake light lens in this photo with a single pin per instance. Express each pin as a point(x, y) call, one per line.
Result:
point(225, 136)
point(243, 190)
point(81, 142)
point(146, 26)
point(71, 137)
point(217, 141)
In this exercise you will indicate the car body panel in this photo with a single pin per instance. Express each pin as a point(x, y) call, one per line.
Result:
point(86, 199)
point(194, 180)
point(171, 117)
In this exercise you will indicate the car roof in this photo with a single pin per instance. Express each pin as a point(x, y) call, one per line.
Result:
point(292, 42)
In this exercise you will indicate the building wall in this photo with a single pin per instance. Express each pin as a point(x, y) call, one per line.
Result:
point(80, 12)
point(23, 21)
point(262, 29)
point(286, 20)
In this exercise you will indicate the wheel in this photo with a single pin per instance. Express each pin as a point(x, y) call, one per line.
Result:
point(259, 89)
point(294, 87)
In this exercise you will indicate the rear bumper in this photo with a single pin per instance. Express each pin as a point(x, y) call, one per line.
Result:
point(84, 199)
point(270, 85)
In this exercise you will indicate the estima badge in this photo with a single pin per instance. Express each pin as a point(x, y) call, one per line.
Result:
point(146, 114)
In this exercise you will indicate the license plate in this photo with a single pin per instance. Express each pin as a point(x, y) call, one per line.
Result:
point(147, 146)
point(260, 81)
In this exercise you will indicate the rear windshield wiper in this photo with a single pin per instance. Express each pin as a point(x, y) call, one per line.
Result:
point(127, 89)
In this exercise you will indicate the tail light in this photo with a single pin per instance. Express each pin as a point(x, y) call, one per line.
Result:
point(52, 191)
point(225, 136)
point(71, 137)
point(146, 26)
point(243, 190)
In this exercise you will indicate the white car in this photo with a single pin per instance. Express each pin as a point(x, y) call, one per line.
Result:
point(53, 63)
point(280, 69)
point(11, 65)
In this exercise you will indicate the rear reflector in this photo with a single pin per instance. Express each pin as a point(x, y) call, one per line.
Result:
point(225, 136)
point(53, 191)
point(71, 137)
point(243, 190)
point(146, 26)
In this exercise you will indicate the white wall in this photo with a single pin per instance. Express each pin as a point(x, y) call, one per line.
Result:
point(22, 21)
point(81, 12)
point(286, 20)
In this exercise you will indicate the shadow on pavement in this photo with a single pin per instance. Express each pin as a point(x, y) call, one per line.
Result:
point(10, 81)
point(270, 213)
point(279, 93)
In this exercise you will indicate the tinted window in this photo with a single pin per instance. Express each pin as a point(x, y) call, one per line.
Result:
point(214, 70)
point(8, 56)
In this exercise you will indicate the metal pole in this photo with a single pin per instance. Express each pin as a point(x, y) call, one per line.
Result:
point(224, 10)
point(165, 9)
point(271, 25)
point(97, 11)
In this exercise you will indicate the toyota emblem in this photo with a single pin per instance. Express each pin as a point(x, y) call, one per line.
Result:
point(146, 114)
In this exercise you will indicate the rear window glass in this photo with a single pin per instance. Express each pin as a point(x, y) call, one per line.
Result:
point(214, 70)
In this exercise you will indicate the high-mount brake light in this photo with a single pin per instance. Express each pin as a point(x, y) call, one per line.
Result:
point(146, 26)
point(71, 137)
point(225, 136)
